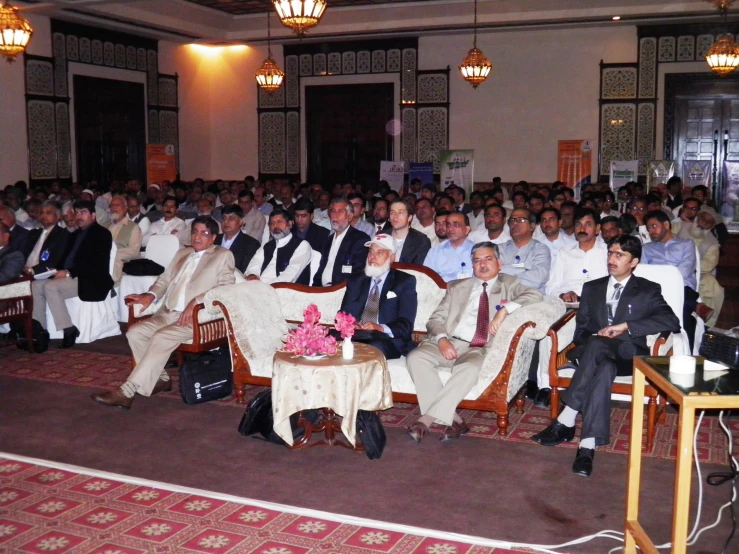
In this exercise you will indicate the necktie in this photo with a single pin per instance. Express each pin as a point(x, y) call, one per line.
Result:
point(483, 320)
point(33, 258)
point(372, 309)
point(612, 304)
point(180, 282)
point(617, 292)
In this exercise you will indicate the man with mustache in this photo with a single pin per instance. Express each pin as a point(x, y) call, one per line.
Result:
point(170, 224)
point(283, 259)
point(126, 235)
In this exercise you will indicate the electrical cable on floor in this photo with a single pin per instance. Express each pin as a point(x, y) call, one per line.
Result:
point(719, 478)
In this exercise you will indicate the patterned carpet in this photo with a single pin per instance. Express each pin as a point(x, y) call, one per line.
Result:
point(48, 509)
point(107, 371)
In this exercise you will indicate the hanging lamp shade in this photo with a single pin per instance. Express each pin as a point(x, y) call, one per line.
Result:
point(723, 56)
point(15, 32)
point(300, 15)
point(269, 76)
point(475, 67)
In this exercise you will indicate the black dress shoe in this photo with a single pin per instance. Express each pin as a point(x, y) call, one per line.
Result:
point(531, 389)
point(583, 464)
point(554, 434)
point(542, 398)
point(70, 337)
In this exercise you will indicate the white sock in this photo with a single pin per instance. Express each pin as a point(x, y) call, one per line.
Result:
point(567, 417)
point(164, 376)
point(128, 389)
point(588, 443)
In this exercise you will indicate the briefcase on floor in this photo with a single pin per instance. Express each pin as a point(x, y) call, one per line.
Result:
point(206, 377)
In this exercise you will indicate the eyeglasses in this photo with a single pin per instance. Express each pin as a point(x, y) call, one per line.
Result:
point(196, 233)
point(512, 220)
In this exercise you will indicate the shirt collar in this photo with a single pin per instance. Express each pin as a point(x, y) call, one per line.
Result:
point(490, 282)
point(612, 281)
point(284, 240)
point(382, 279)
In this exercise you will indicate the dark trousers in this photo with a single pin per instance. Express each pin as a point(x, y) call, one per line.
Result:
point(689, 304)
point(385, 346)
point(590, 390)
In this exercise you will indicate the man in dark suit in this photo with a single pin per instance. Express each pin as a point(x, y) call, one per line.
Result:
point(380, 215)
point(46, 246)
point(241, 245)
point(616, 315)
point(383, 301)
point(344, 253)
point(18, 234)
point(414, 245)
point(11, 261)
point(304, 227)
point(85, 273)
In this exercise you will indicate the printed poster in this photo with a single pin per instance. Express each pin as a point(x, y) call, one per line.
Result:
point(574, 163)
point(160, 163)
point(730, 201)
point(622, 173)
point(457, 167)
point(659, 171)
point(393, 173)
point(424, 171)
point(697, 172)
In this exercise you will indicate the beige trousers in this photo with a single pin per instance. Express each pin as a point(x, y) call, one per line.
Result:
point(152, 341)
point(437, 399)
point(53, 292)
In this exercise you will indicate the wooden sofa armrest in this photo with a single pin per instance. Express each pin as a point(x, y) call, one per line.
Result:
point(660, 342)
point(556, 357)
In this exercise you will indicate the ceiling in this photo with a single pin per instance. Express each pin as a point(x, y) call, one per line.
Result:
point(241, 7)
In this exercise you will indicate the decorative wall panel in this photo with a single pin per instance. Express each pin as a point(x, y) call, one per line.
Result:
point(319, 64)
point(272, 142)
point(666, 49)
point(293, 142)
point(131, 57)
point(85, 50)
point(306, 65)
point(393, 60)
point(647, 68)
point(169, 132)
point(348, 63)
point(703, 44)
point(152, 79)
point(686, 49)
point(618, 83)
point(168, 92)
point(433, 134)
point(408, 76)
point(334, 63)
point(433, 88)
point(378, 61)
point(59, 45)
point(40, 77)
point(153, 137)
point(141, 59)
point(97, 52)
point(274, 100)
point(73, 48)
point(42, 139)
point(364, 61)
point(617, 134)
point(408, 138)
point(292, 85)
point(63, 141)
point(645, 136)
point(109, 54)
point(120, 56)
point(60, 77)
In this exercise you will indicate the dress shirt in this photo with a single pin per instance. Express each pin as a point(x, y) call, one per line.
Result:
point(449, 262)
point(679, 253)
point(573, 266)
point(21, 216)
point(481, 235)
point(530, 263)
point(562, 241)
point(365, 227)
point(477, 221)
point(611, 286)
point(162, 227)
point(183, 276)
point(298, 262)
point(254, 223)
point(226, 243)
point(381, 284)
point(33, 257)
point(429, 231)
point(336, 241)
point(644, 234)
point(611, 302)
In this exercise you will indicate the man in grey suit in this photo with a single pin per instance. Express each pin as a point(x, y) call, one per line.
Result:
point(461, 330)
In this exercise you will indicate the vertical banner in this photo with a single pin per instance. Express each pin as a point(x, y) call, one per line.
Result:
point(574, 158)
point(424, 171)
point(622, 173)
point(659, 171)
point(457, 167)
point(697, 172)
point(729, 204)
point(160, 163)
point(393, 173)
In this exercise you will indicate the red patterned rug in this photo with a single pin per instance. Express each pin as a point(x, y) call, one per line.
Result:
point(63, 510)
point(107, 371)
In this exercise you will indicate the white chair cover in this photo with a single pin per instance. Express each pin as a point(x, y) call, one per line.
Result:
point(95, 320)
point(315, 261)
point(144, 225)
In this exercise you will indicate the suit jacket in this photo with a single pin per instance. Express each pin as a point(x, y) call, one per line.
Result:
point(352, 252)
point(448, 313)
point(397, 312)
point(641, 306)
point(18, 237)
point(11, 264)
point(216, 268)
point(316, 236)
point(243, 249)
point(465, 208)
point(91, 265)
point(56, 243)
point(415, 248)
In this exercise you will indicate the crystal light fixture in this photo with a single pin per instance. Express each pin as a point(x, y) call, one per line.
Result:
point(300, 15)
point(15, 32)
point(269, 76)
point(475, 67)
point(723, 56)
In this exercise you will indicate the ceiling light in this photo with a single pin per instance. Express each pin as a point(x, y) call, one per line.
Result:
point(269, 77)
point(475, 67)
point(723, 56)
point(15, 32)
point(300, 15)
point(617, 18)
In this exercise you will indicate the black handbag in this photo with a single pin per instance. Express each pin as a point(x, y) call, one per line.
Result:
point(206, 377)
point(142, 266)
point(258, 419)
point(371, 432)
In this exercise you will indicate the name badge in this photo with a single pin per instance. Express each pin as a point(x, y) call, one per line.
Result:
point(462, 275)
point(346, 269)
point(518, 266)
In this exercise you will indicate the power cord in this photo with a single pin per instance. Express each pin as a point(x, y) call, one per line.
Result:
point(719, 478)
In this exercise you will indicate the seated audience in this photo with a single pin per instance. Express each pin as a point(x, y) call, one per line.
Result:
point(537, 202)
point(260, 200)
point(242, 246)
point(18, 234)
point(710, 291)
point(494, 229)
point(383, 301)
point(461, 330)
point(11, 261)
point(134, 209)
point(380, 214)
point(451, 258)
point(192, 273)
point(254, 221)
point(549, 232)
point(291, 261)
point(423, 220)
point(458, 196)
point(306, 229)
point(477, 213)
point(413, 246)
point(358, 222)
point(170, 224)
point(623, 195)
point(523, 256)
point(45, 248)
point(637, 207)
point(567, 211)
point(344, 253)
point(610, 227)
point(674, 192)
point(126, 235)
point(686, 217)
point(615, 316)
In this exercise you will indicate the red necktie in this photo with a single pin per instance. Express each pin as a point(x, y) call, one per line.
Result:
point(483, 320)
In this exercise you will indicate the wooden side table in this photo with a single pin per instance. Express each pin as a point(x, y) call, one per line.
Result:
point(704, 393)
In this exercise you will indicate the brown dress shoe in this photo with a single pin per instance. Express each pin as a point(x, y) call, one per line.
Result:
point(417, 430)
point(113, 398)
point(454, 431)
point(162, 386)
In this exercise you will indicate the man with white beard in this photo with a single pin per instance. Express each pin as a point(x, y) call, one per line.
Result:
point(291, 262)
point(383, 301)
point(710, 291)
point(127, 235)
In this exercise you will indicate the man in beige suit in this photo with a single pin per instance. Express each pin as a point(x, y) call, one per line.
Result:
point(126, 235)
point(461, 330)
point(193, 272)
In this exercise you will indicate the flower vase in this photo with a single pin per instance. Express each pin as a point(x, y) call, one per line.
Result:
point(347, 349)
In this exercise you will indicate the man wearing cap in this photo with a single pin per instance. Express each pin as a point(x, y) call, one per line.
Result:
point(383, 301)
point(461, 331)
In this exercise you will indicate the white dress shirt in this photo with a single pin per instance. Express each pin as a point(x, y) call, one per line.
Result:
point(573, 267)
point(481, 235)
point(162, 227)
point(178, 285)
point(298, 262)
point(477, 221)
point(328, 273)
point(429, 231)
point(226, 242)
point(563, 240)
point(33, 257)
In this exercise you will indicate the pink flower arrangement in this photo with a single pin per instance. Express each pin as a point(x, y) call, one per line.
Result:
point(310, 338)
point(345, 325)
